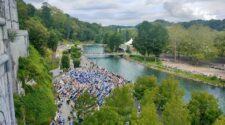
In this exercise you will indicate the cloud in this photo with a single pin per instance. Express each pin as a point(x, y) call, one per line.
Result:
point(132, 12)
point(187, 11)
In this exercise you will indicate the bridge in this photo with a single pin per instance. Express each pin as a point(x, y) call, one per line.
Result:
point(102, 55)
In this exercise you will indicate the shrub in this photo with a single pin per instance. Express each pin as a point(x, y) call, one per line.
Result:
point(65, 62)
point(76, 62)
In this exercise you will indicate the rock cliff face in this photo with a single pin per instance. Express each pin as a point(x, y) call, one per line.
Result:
point(13, 44)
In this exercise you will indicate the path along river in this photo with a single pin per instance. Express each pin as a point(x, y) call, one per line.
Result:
point(131, 71)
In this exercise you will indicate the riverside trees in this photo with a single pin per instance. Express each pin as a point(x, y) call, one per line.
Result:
point(202, 109)
point(196, 42)
point(151, 39)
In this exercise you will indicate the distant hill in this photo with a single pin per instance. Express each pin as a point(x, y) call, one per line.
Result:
point(163, 22)
point(214, 24)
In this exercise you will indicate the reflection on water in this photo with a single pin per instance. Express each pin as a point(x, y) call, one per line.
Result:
point(131, 71)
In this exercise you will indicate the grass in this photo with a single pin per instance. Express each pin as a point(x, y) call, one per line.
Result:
point(157, 65)
point(31, 108)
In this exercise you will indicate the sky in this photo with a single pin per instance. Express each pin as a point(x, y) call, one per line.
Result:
point(132, 12)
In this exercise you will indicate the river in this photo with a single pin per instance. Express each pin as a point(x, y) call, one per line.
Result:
point(131, 71)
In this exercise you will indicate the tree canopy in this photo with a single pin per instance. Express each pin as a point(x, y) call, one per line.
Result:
point(151, 39)
point(204, 108)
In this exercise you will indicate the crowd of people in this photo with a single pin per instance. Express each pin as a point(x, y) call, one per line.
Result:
point(96, 80)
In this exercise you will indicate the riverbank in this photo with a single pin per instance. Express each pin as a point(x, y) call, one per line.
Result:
point(214, 81)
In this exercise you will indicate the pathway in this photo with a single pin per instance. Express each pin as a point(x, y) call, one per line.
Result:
point(196, 69)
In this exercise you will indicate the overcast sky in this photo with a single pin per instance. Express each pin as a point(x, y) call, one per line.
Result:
point(132, 12)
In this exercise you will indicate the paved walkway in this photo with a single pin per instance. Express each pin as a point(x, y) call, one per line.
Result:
point(66, 109)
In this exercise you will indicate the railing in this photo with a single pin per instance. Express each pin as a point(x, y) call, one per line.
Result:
point(2, 8)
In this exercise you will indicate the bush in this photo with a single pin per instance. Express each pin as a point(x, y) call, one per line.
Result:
point(76, 62)
point(142, 58)
point(65, 62)
point(75, 53)
point(65, 52)
point(39, 98)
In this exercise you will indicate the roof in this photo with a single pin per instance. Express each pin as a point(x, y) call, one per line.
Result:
point(129, 42)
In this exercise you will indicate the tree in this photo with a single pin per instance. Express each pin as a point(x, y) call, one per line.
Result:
point(65, 61)
point(85, 104)
point(175, 113)
point(105, 116)
point(168, 90)
point(31, 10)
point(22, 13)
point(199, 44)
point(38, 34)
point(46, 16)
point(148, 114)
point(121, 101)
point(53, 43)
point(76, 62)
point(115, 40)
point(151, 39)
point(204, 108)
point(220, 43)
point(177, 35)
point(142, 84)
point(220, 121)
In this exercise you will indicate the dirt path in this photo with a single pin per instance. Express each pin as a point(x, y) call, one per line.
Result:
point(196, 69)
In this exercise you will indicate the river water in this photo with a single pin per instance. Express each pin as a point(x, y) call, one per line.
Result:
point(131, 71)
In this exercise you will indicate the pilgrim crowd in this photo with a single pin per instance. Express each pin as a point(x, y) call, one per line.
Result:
point(96, 80)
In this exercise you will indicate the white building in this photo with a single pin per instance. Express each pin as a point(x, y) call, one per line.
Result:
point(124, 47)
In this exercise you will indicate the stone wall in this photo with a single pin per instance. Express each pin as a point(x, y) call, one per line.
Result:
point(19, 48)
point(10, 51)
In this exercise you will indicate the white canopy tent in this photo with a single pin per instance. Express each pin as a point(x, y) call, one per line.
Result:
point(129, 42)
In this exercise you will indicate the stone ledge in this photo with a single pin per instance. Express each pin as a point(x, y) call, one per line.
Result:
point(2, 21)
point(3, 58)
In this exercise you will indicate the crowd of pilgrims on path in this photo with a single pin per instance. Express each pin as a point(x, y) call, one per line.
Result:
point(96, 80)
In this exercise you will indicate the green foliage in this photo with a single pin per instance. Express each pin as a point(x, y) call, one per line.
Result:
point(214, 24)
point(142, 84)
point(75, 53)
point(76, 62)
point(142, 58)
point(105, 116)
point(113, 40)
point(177, 35)
point(85, 105)
point(220, 121)
point(175, 113)
point(149, 114)
point(38, 34)
point(24, 12)
point(199, 44)
point(204, 108)
point(46, 16)
point(169, 89)
point(31, 108)
point(53, 39)
point(220, 43)
point(151, 39)
point(122, 102)
point(65, 61)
